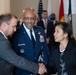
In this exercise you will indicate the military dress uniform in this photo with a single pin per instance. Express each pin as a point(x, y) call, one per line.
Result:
point(23, 46)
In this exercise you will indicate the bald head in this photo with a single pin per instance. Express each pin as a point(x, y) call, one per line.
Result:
point(29, 10)
point(29, 17)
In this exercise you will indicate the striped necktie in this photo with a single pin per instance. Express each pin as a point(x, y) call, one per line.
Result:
point(45, 24)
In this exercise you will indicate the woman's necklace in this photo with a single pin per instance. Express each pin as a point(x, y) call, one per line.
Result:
point(62, 49)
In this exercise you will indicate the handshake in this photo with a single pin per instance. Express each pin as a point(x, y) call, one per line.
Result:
point(42, 68)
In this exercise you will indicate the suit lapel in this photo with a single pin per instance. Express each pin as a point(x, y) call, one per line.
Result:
point(25, 35)
point(42, 24)
point(38, 44)
point(37, 38)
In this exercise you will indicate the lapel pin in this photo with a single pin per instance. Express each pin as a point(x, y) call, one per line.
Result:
point(22, 51)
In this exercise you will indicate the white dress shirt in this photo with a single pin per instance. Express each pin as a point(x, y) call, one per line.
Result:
point(3, 34)
point(28, 31)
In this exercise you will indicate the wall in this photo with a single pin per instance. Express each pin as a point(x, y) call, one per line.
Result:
point(17, 6)
point(4, 6)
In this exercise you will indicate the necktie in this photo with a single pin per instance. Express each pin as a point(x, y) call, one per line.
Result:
point(45, 24)
point(32, 38)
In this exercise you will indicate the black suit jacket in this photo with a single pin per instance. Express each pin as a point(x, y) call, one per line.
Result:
point(69, 57)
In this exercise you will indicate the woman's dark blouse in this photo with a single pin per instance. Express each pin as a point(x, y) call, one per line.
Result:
point(68, 57)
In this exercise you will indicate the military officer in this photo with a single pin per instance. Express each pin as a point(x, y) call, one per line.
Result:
point(29, 42)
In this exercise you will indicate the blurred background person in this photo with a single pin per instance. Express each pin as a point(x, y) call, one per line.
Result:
point(53, 18)
point(19, 23)
point(48, 27)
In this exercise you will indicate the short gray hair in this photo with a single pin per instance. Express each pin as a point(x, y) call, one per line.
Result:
point(6, 17)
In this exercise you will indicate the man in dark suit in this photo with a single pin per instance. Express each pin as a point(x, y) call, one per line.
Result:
point(29, 42)
point(8, 57)
point(19, 23)
point(48, 27)
point(53, 18)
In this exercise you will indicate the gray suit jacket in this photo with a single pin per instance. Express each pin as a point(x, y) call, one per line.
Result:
point(8, 58)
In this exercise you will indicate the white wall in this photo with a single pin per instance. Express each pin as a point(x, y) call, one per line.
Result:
point(4, 6)
point(17, 6)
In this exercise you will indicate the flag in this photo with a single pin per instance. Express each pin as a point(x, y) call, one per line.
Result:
point(61, 12)
point(69, 13)
point(49, 9)
point(40, 8)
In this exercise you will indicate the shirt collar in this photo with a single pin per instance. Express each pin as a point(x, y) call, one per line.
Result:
point(44, 20)
point(3, 34)
point(27, 30)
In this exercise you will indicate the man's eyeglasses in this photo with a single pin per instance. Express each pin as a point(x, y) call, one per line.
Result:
point(29, 18)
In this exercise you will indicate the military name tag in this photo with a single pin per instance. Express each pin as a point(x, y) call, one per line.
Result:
point(21, 44)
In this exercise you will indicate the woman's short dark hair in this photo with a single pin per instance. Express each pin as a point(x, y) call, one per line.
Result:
point(66, 29)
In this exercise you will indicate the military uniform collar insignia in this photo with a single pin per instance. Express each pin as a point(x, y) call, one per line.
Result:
point(39, 33)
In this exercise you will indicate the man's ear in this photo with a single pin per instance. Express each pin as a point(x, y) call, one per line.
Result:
point(4, 25)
